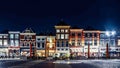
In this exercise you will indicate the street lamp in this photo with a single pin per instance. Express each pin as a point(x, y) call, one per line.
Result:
point(109, 34)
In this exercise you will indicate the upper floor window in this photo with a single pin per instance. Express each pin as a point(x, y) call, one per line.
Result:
point(79, 34)
point(57, 43)
point(5, 36)
point(58, 36)
point(118, 42)
point(86, 35)
point(38, 39)
point(62, 30)
point(66, 36)
point(62, 36)
point(43, 45)
point(58, 30)
point(38, 45)
point(5, 42)
point(95, 34)
point(66, 30)
point(0, 42)
point(73, 34)
point(11, 42)
point(90, 34)
point(16, 43)
point(11, 35)
point(67, 44)
point(17, 36)
point(0, 36)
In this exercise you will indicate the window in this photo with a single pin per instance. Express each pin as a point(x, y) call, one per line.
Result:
point(58, 44)
point(62, 43)
point(73, 34)
point(112, 42)
point(66, 30)
point(95, 34)
point(25, 37)
point(43, 39)
point(62, 36)
point(58, 30)
point(67, 44)
point(118, 42)
point(58, 36)
point(66, 36)
point(79, 34)
point(95, 42)
point(30, 37)
point(16, 42)
point(5, 42)
point(11, 43)
point(38, 39)
point(86, 35)
point(11, 36)
point(5, 36)
point(0, 42)
point(90, 34)
point(0, 36)
point(101, 42)
point(16, 36)
point(42, 45)
point(62, 30)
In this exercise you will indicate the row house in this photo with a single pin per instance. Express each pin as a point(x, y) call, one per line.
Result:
point(76, 41)
point(62, 38)
point(13, 44)
point(40, 45)
point(4, 45)
point(28, 43)
point(91, 42)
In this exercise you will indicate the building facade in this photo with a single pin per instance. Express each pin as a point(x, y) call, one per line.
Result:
point(28, 43)
point(62, 38)
point(41, 45)
point(14, 46)
point(4, 45)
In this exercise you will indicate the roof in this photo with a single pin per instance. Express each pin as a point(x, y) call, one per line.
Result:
point(28, 30)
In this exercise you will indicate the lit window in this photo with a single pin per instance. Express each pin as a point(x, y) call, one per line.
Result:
point(0, 36)
point(16, 42)
point(58, 36)
point(11, 43)
point(62, 36)
point(5, 36)
point(16, 36)
point(119, 42)
point(66, 36)
point(5, 42)
point(57, 30)
point(66, 30)
point(11, 36)
point(0, 42)
point(62, 30)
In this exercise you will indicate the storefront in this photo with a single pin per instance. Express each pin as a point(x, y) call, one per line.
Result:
point(14, 52)
point(3, 52)
point(40, 53)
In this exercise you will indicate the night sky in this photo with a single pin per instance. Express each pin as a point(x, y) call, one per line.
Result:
point(42, 15)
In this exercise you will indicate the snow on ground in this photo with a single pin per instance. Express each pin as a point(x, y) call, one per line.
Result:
point(111, 63)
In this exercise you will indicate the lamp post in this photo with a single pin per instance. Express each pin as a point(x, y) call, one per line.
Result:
point(109, 34)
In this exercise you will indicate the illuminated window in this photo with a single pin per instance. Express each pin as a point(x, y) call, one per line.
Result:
point(112, 42)
point(5, 36)
point(66, 36)
point(11, 43)
point(118, 42)
point(66, 30)
point(0, 42)
point(0, 36)
point(62, 30)
point(62, 36)
point(11, 36)
point(58, 30)
point(5, 42)
point(16, 36)
point(16, 42)
point(58, 36)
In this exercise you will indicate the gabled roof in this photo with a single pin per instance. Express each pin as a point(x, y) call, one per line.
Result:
point(28, 30)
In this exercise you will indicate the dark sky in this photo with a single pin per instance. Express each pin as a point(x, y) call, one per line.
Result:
point(42, 15)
